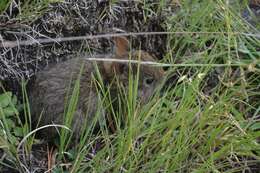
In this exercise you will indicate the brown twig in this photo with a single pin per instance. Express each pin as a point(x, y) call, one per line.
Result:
point(11, 44)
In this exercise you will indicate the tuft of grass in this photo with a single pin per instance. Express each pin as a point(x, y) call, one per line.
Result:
point(28, 10)
point(3, 5)
point(13, 129)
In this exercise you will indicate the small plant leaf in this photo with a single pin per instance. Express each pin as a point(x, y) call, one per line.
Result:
point(18, 131)
point(5, 99)
point(10, 111)
point(255, 126)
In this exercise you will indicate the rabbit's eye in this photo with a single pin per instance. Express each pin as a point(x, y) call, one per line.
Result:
point(149, 80)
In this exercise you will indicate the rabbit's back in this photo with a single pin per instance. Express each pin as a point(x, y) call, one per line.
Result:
point(52, 90)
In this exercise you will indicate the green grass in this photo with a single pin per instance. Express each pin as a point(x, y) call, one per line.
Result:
point(28, 10)
point(185, 130)
point(3, 5)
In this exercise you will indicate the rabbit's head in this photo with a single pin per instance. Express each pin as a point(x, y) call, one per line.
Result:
point(149, 76)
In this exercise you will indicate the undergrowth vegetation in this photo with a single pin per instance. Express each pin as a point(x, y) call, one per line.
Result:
point(206, 120)
point(28, 10)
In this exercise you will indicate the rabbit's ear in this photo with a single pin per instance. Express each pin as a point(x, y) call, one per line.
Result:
point(121, 46)
point(121, 51)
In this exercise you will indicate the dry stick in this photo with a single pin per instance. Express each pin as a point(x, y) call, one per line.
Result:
point(165, 64)
point(11, 44)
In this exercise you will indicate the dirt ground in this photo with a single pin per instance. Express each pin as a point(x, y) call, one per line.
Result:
point(75, 18)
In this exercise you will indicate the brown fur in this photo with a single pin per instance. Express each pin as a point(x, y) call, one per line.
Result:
point(51, 86)
point(254, 2)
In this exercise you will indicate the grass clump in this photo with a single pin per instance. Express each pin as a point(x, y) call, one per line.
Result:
point(26, 10)
point(10, 134)
point(3, 5)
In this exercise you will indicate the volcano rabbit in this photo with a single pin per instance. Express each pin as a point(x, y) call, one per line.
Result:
point(50, 90)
